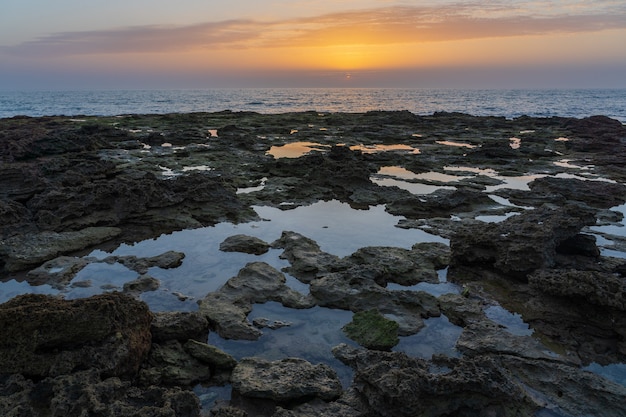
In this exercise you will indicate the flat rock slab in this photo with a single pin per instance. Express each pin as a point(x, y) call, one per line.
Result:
point(285, 380)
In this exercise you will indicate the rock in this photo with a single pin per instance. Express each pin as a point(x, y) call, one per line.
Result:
point(167, 260)
point(245, 244)
point(520, 244)
point(142, 284)
point(210, 355)
point(21, 252)
point(258, 282)
point(57, 272)
point(402, 266)
point(372, 330)
point(289, 380)
point(44, 336)
point(393, 384)
point(600, 288)
point(85, 393)
point(356, 289)
point(179, 325)
point(304, 255)
point(170, 364)
point(600, 194)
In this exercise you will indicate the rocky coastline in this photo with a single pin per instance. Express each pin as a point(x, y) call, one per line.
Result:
point(556, 256)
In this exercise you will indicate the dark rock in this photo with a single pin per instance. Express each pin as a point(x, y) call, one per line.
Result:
point(305, 256)
point(285, 381)
point(44, 336)
point(520, 244)
point(245, 244)
point(258, 282)
point(142, 284)
point(22, 252)
point(600, 288)
point(210, 355)
point(179, 325)
point(86, 393)
point(170, 364)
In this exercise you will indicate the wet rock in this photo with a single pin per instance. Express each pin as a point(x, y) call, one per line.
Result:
point(439, 203)
point(600, 194)
point(169, 363)
point(57, 272)
point(600, 288)
point(142, 284)
point(520, 244)
point(402, 266)
point(166, 260)
point(44, 336)
point(245, 244)
point(227, 309)
point(289, 380)
point(393, 384)
point(372, 330)
point(355, 289)
point(179, 325)
point(22, 252)
point(214, 357)
point(305, 256)
point(87, 393)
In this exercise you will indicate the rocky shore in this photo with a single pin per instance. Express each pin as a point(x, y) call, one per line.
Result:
point(532, 209)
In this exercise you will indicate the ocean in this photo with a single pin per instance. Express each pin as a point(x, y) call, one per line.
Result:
point(509, 103)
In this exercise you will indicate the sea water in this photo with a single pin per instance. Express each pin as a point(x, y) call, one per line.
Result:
point(508, 103)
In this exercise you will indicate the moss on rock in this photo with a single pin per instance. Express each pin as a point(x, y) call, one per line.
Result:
point(372, 330)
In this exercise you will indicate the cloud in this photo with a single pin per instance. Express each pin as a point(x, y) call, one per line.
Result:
point(389, 25)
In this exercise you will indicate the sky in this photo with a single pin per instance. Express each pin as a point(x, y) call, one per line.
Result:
point(115, 44)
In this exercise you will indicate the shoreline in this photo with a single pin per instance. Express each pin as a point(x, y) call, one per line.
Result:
point(70, 185)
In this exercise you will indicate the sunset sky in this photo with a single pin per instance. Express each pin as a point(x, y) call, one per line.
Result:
point(106, 44)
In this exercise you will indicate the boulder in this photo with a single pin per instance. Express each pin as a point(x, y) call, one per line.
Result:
point(22, 252)
point(227, 308)
point(305, 256)
point(179, 325)
point(245, 244)
point(46, 336)
point(86, 393)
point(520, 244)
point(289, 380)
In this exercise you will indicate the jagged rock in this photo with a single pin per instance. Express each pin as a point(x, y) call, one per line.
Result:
point(86, 393)
point(356, 289)
point(245, 244)
point(305, 256)
point(179, 325)
point(142, 284)
point(169, 363)
point(210, 355)
point(57, 272)
point(166, 260)
point(289, 380)
point(22, 252)
point(600, 288)
point(44, 336)
point(520, 244)
point(393, 384)
point(258, 282)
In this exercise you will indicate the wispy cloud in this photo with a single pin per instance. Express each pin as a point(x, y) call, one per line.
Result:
point(401, 24)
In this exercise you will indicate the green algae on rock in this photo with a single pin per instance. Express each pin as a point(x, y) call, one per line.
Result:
point(372, 330)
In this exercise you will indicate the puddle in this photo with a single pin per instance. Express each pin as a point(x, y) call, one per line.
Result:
point(412, 187)
point(457, 144)
point(296, 149)
point(438, 337)
point(515, 143)
point(246, 190)
point(512, 322)
point(312, 335)
point(615, 372)
point(385, 148)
